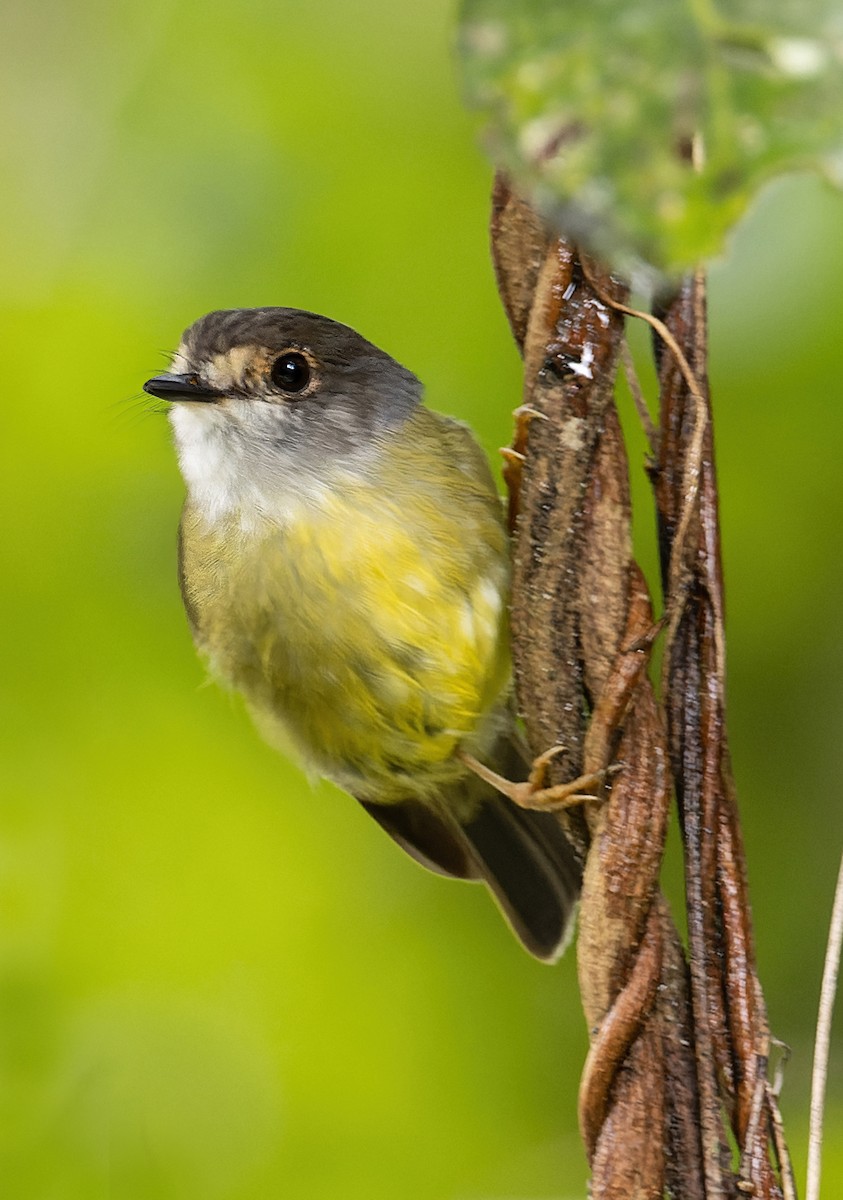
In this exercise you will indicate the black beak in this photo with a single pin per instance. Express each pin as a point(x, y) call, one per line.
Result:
point(179, 387)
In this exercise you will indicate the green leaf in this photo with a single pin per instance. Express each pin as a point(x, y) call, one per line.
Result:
point(598, 107)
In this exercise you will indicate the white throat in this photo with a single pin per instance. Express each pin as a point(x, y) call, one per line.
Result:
point(224, 480)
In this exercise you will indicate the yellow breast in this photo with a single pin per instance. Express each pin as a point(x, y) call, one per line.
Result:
point(367, 625)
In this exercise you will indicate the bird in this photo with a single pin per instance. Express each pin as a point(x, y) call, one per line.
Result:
point(344, 566)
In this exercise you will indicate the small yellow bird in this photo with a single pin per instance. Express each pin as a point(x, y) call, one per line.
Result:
point(344, 565)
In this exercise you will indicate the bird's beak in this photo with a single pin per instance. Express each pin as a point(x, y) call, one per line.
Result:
point(180, 387)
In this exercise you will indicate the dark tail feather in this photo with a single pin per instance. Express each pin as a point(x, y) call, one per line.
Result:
point(523, 857)
point(433, 840)
point(529, 865)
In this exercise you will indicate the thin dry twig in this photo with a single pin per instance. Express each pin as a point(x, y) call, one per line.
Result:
point(692, 464)
point(819, 1075)
point(638, 398)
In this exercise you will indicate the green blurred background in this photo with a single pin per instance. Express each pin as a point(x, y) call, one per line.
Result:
point(217, 981)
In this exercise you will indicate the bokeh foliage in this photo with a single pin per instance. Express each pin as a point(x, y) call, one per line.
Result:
point(593, 107)
point(217, 981)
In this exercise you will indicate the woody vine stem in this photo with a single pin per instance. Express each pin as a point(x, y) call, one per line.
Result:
point(679, 1039)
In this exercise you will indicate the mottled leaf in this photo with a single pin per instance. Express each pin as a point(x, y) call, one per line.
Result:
point(645, 128)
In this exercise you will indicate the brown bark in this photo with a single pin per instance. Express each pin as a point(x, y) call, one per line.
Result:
point(731, 1030)
point(665, 1063)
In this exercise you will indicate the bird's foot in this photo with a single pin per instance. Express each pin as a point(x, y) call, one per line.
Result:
point(532, 792)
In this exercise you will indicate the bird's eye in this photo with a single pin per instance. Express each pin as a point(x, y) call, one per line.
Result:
point(290, 372)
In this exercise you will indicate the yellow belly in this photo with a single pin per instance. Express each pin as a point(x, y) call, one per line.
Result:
point(367, 627)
